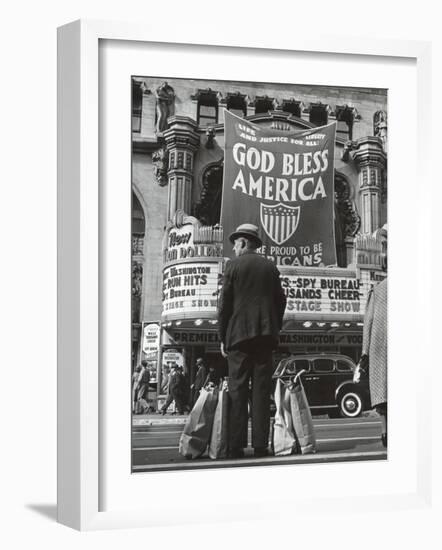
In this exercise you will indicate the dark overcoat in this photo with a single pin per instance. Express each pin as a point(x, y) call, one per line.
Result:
point(252, 301)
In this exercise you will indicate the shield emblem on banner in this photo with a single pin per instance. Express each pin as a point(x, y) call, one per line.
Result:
point(280, 221)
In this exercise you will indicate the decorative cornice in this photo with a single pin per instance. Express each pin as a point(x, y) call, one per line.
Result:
point(369, 151)
point(272, 116)
point(182, 132)
point(207, 92)
point(346, 112)
point(272, 100)
point(319, 104)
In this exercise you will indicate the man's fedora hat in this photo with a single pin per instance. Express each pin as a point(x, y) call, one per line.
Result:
point(247, 230)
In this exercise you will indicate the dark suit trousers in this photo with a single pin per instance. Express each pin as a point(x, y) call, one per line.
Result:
point(250, 360)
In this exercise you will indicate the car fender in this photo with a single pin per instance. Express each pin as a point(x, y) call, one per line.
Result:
point(348, 385)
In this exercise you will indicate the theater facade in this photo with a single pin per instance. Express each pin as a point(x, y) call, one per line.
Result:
point(178, 254)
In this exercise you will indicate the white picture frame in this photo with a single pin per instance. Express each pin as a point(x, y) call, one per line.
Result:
point(80, 296)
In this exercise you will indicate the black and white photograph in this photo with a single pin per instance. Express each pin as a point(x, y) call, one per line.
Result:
point(259, 273)
point(203, 207)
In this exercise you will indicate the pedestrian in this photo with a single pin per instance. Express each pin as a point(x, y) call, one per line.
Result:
point(200, 378)
point(176, 390)
point(135, 380)
point(374, 351)
point(250, 314)
point(143, 381)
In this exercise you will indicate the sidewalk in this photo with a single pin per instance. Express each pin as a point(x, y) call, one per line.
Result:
point(156, 419)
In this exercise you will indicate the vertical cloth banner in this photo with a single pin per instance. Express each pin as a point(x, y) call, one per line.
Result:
point(283, 182)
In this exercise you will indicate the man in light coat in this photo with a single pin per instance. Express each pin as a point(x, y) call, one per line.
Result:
point(374, 351)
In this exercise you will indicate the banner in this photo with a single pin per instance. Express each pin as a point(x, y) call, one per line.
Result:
point(283, 182)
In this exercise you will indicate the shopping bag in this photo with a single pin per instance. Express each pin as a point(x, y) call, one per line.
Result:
point(301, 416)
point(219, 438)
point(283, 436)
point(198, 427)
point(141, 406)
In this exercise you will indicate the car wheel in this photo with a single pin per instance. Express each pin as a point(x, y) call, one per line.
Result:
point(350, 404)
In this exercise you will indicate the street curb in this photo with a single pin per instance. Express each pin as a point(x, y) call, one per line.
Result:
point(181, 420)
point(178, 421)
point(314, 458)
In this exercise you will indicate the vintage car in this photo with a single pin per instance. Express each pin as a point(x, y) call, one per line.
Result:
point(328, 383)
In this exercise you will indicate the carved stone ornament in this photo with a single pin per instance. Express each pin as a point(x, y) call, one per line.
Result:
point(137, 279)
point(210, 133)
point(345, 207)
point(380, 126)
point(165, 96)
point(160, 159)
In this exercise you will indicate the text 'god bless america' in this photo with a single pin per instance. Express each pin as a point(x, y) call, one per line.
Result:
point(283, 182)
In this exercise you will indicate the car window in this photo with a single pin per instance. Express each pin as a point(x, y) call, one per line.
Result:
point(302, 364)
point(323, 365)
point(344, 366)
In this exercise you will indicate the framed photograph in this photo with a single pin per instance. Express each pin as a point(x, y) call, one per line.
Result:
point(229, 217)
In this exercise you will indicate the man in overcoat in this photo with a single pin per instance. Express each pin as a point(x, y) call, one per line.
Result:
point(176, 390)
point(250, 315)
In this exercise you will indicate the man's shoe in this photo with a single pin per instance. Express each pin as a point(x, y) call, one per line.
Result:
point(260, 452)
point(236, 453)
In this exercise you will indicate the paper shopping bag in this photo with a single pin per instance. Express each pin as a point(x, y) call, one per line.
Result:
point(301, 417)
point(198, 428)
point(284, 439)
point(219, 438)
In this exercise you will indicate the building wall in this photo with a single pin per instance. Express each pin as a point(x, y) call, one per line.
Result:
point(154, 202)
point(154, 198)
point(366, 100)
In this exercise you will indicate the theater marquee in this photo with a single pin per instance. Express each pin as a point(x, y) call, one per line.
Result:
point(324, 294)
point(192, 269)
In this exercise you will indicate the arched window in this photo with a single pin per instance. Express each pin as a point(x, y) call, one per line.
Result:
point(347, 219)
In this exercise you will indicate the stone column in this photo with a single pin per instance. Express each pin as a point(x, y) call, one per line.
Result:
point(369, 155)
point(182, 140)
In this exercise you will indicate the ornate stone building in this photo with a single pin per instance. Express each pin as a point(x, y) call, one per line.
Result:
point(178, 153)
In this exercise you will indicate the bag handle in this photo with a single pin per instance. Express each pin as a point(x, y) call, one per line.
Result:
point(298, 376)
